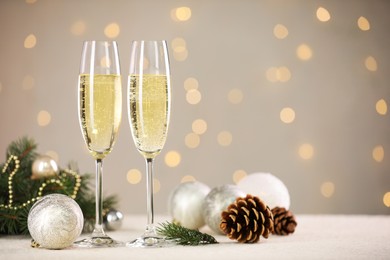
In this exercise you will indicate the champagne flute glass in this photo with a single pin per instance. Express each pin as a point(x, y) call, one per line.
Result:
point(100, 112)
point(149, 101)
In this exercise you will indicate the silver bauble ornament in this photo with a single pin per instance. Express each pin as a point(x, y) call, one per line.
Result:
point(185, 204)
point(112, 220)
point(267, 187)
point(55, 221)
point(44, 166)
point(218, 199)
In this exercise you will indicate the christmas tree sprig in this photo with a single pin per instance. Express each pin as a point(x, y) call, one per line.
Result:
point(25, 191)
point(184, 236)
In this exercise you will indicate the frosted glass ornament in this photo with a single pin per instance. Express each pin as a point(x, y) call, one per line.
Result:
point(267, 187)
point(218, 199)
point(185, 204)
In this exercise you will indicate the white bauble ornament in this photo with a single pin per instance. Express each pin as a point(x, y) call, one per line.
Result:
point(218, 199)
point(44, 166)
point(267, 187)
point(185, 204)
point(55, 221)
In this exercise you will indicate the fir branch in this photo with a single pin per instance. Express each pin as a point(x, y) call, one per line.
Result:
point(23, 147)
point(184, 236)
point(14, 221)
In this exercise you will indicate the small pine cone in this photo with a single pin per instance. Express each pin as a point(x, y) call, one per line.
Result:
point(284, 221)
point(247, 219)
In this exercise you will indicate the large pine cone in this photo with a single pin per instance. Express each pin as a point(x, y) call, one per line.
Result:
point(284, 221)
point(247, 219)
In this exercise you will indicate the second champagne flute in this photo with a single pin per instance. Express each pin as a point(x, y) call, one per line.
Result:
point(100, 112)
point(149, 101)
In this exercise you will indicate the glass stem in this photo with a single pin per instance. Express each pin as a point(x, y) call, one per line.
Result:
point(98, 231)
point(149, 197)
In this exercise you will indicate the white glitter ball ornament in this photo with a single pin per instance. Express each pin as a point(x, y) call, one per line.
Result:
point(267, 187)
point(55, 221)
point(185, 204)
point(218, 199)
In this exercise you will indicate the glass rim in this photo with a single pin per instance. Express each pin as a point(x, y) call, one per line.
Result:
point(149, 41)
point(97, 41)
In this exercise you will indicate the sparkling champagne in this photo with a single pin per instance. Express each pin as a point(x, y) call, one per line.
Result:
point(149, 103)
point(100, 111)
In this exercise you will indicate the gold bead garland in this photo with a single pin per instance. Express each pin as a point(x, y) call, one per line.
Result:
point(17, 165)
point(41, 188)
point(77, 178)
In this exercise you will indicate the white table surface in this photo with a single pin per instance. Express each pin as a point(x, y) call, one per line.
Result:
point(316, 237)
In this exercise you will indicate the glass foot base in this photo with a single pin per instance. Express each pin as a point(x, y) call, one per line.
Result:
point(103, 241)
point(151, 241)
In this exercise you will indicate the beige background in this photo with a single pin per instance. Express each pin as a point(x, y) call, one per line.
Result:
point(333, 75)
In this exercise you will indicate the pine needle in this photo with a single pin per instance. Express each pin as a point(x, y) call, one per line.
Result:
point(184, 236)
